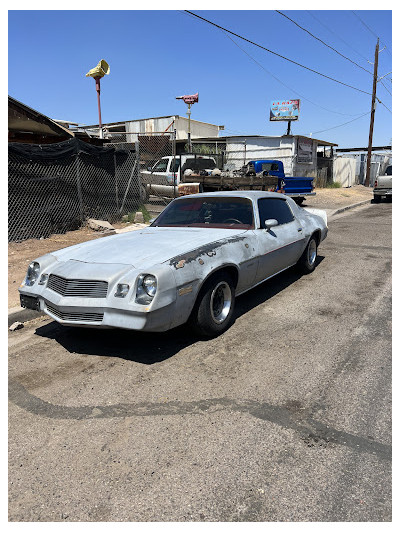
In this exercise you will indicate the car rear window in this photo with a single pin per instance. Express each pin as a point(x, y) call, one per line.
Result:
point(199, 164)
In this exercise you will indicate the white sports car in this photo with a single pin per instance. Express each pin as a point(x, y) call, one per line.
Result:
point(199, 253)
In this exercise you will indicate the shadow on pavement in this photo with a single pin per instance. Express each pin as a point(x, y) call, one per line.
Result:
point(150, 348)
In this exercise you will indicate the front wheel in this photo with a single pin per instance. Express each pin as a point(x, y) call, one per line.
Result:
point(308, 260)
point(377, 198)
point(213, 311)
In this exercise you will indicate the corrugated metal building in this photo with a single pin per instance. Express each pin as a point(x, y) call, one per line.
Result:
point(148, 126)
point(301, 156)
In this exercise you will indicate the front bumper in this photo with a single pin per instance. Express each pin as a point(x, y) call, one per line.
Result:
point(98, 316)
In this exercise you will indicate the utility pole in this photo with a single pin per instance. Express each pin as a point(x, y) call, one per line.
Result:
point(371, 124)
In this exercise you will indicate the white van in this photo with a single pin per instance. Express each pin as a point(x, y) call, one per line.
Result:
point(159, 179)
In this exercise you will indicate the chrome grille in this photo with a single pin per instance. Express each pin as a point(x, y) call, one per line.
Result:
point(85, 288)
point(75, 316)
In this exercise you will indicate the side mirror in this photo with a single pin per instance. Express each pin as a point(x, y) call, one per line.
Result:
point(270, 223)
point(149, 169)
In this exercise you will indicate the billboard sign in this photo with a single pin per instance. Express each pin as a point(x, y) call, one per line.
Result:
point(284, 110)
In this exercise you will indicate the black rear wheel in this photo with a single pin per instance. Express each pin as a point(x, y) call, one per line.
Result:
point(308, 260)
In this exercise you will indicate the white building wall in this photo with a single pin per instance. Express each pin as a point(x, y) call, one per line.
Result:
point(240, 150)
point(198, 129)
point(162, 124)
point(344, 171)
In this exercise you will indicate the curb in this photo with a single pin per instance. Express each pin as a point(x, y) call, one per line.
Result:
point(352, 206)
point(20, 314)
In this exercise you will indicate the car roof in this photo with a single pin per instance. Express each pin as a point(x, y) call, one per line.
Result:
point(251, 195)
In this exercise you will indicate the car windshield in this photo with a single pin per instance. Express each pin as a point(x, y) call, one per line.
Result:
point(208, 212)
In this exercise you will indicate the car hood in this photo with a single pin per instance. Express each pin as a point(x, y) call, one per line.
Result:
point(144, 248)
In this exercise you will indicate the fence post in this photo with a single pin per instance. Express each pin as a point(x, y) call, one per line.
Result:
point(79, 187)
point(129, 184)
point(173, 159)
point(115, 178)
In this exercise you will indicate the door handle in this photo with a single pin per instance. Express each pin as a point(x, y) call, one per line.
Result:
point(299, 229)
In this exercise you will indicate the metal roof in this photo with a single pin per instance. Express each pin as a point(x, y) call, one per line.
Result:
point(120, 123)
point(23, 118)
point(226, 137)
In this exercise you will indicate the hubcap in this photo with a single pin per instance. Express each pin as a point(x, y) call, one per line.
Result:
point(220, 302)
point(312, 252)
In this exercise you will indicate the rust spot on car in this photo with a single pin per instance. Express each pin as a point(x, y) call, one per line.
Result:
point(209, 249)
point(180, 264)
point(185, 290)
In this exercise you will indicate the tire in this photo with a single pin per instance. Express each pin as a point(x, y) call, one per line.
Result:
point(307, 261)
point(299, 201)
point(213, 311)
point(377, 198)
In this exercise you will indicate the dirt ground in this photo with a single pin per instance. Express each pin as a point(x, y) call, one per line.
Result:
point(337, 198)
point(20, 254)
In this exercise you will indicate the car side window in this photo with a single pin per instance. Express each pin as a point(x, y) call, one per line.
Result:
point(176, 167)
point(274, 208)
point(161, 166)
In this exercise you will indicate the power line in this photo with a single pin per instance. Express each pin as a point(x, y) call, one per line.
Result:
point(276, 53)
point(369, 29)
point(384, 86)
point(380, 101)
point(336, 35)
point(346, 43)
point(323, 42)
point(340, 125)
point(282, 83)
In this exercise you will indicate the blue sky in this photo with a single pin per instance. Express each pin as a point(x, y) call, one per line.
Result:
point(155, 56)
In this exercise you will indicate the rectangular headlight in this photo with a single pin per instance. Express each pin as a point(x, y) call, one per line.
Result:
point(122, 290)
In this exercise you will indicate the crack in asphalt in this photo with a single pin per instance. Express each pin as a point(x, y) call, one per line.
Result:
point(307, 427)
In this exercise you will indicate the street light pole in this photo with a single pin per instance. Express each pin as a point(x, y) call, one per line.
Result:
point(189, 133)
point(371, 123)
point(101, 69)
point(97, 80)
point(189, 99)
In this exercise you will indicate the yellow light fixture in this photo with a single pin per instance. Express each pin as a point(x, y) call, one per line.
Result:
point(101, 69)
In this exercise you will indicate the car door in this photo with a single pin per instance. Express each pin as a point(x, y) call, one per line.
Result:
point(158, 178)
point(281, 246)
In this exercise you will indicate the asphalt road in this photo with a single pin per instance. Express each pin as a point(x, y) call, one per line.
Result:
point(285, 417)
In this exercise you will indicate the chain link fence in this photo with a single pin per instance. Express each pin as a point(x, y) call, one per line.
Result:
point(55, 188)
point(156, 168)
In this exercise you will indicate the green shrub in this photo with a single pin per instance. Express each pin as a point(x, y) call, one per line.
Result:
point(333, 185)
point(130, 217)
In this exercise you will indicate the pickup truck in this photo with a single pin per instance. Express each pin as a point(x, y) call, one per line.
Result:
point(160, 178)
point(264, 174)
point(383, 186)
point(197, 173)
point(295, 187)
